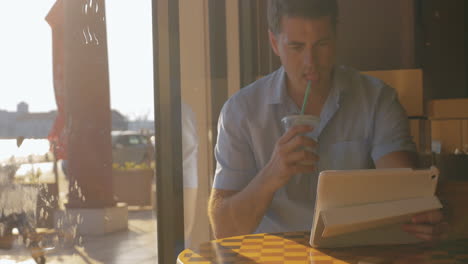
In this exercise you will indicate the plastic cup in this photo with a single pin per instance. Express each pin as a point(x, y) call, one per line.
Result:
point(296, 120)
point(299, 187)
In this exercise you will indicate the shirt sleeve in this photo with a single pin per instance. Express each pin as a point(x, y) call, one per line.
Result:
point(391, 126)
point(235, 162)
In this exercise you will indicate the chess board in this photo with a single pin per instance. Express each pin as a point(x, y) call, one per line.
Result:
point(294, 248)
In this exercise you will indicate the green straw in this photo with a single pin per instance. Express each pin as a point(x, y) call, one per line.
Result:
point(309, 84)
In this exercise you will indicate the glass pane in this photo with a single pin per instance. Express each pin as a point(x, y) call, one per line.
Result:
point(77, 181)
point(196, 120)
point(207, 77)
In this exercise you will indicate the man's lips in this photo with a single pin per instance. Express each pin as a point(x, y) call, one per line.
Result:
point(311, 76)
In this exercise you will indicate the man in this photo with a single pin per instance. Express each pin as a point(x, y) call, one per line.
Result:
point(362, 125)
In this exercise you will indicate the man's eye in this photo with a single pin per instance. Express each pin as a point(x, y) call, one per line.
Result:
point(322, 44)
point(297, 48)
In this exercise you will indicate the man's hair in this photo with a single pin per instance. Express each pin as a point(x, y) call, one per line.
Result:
point(310, 9)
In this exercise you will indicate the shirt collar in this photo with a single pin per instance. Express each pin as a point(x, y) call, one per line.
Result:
point(278, 93)
point(339, 84)
point(276, 87)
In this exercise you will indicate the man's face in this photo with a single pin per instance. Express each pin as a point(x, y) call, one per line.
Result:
point(306, 48)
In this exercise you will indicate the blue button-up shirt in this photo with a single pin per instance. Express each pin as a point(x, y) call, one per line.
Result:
point(361, 121)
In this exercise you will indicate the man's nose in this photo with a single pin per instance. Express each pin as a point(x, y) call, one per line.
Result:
point(310, 56)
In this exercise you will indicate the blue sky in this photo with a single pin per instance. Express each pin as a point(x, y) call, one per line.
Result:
point(26, 56)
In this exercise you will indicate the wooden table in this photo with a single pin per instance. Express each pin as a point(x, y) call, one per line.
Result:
point(294, 247)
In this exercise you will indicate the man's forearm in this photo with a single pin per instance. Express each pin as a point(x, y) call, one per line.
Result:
point(239, 213)
point(397, 159)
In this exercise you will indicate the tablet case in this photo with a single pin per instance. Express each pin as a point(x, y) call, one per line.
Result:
point(367, 207)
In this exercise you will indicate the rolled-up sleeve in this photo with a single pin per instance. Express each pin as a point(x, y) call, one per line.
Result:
point(391, 126)
point(235, 163)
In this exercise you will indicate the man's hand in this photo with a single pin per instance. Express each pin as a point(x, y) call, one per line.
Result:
point(429, 226)
point(234, 213)
point(289, 156)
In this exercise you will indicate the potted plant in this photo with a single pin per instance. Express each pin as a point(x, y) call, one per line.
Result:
point(132, 183)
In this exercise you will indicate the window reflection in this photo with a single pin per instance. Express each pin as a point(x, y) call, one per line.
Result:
point(68, 193)
point(89, 72)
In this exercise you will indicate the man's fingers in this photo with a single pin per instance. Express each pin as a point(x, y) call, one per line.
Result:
point(422, 229)
point(299, 143)
point(294, 131)
point(429, 237)
point(424, 237)
point(297, 169)
point(430, 217)
point(428, 231)
point(302, 156)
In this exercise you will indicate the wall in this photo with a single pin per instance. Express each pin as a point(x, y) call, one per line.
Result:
point(380, 35)
point(377, 34)
point(445, 47)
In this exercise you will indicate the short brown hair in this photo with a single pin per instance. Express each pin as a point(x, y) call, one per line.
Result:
point(277, 9)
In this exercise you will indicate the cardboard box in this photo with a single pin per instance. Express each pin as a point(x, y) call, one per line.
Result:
point(133, 186)
point(448, 133)
point(448, 109)
point(409, 85)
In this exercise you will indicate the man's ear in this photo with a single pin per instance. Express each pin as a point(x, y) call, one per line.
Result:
point(273, 42)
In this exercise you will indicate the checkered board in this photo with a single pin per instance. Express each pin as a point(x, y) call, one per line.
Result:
point(294, 248)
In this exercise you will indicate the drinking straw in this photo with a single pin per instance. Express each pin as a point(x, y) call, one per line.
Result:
point(306, 96)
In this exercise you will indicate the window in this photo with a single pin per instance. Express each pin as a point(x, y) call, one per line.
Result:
point(74, 71)
point(78, 115)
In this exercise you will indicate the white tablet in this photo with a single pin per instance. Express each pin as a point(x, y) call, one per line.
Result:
point(367, 207)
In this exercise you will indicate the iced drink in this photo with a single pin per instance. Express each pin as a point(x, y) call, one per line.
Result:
point(300, 186)
point(295, 120)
